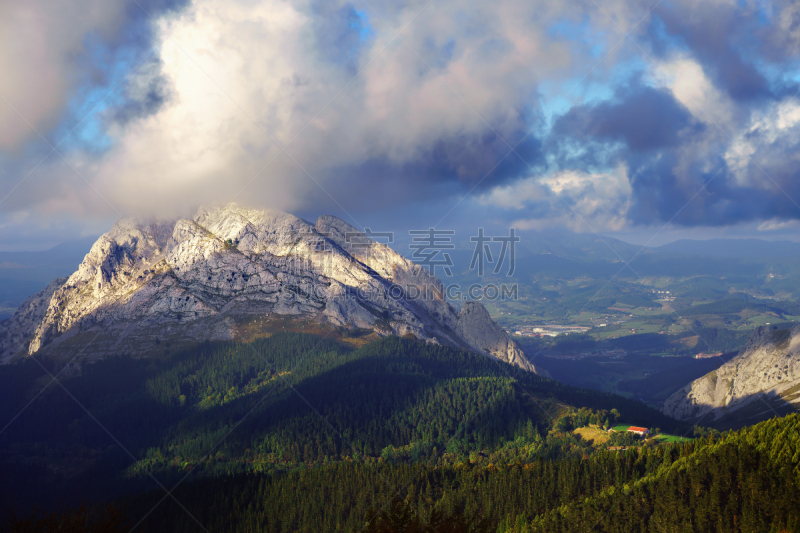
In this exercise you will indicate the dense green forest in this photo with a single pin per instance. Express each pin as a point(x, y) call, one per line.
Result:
point(738, 482)
point(300, 433)
point(291, 401)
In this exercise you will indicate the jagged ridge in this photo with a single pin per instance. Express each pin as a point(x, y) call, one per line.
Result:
point(189, 280)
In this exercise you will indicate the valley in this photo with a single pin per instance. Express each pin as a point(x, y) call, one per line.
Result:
point(633, 321)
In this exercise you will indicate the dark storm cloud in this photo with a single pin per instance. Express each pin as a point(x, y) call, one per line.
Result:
point(128, 52)
point(722, 39)
point(451, 165)
point(138, 28)
point(154, 97)
point(60, 60)
point(642, 117)
point(712, 199)
point(708, 192)
point(781, 41)
point(482, 161)
point(677, 166)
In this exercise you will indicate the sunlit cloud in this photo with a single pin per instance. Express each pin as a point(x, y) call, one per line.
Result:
point(594, 117)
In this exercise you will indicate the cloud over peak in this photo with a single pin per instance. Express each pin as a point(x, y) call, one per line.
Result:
point(586, 115)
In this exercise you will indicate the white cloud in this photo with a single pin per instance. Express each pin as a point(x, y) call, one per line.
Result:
point(687, 81)
point(244, 77)
point(581, 201)
point(237, 63)
point(757, 153)
point(41, 46)
point(778, 225)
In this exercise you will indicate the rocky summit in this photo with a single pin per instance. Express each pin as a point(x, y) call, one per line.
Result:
point(229, 273)
point(763, 380)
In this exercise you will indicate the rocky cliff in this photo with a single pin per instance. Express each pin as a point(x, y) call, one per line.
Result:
point(16, 332)
point(147, 286)
point(763, 380)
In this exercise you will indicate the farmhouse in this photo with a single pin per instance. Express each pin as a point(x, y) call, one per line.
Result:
point(642, 432)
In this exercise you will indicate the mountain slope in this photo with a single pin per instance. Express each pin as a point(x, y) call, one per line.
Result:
point(222, 273)
point(745, 482)
point(761, 382)
point(277, 404)
point(15, 332)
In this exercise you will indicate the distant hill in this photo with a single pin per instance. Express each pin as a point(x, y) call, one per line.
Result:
point(734, 248)
point(584, 248)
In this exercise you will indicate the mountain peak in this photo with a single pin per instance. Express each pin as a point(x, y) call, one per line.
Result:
point(228, 271)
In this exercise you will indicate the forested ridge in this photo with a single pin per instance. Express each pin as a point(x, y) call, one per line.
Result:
point(738, 482)
point(299, 433)
point(293, 399)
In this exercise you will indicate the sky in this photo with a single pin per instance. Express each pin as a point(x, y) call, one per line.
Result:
point(645, 120)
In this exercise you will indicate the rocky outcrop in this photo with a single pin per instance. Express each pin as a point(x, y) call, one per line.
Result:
point(146, 284)
point(761, 381)
point(478, 329)
point(16, 332)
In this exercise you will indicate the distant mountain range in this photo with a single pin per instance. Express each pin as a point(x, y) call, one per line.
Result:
point(567, 255)
point(588, 247)
point(25, 273)
point(734, 248)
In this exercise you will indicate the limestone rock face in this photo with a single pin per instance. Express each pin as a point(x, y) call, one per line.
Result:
point(477, 328)
point(761, 381)
point(15, 332)
point(147, 282)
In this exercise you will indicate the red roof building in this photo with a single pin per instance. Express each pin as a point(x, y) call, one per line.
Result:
point(639, 431)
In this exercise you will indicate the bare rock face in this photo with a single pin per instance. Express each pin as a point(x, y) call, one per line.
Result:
point(761, 381)
point(16, 332)
point(148, 282)
point(477, 328)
